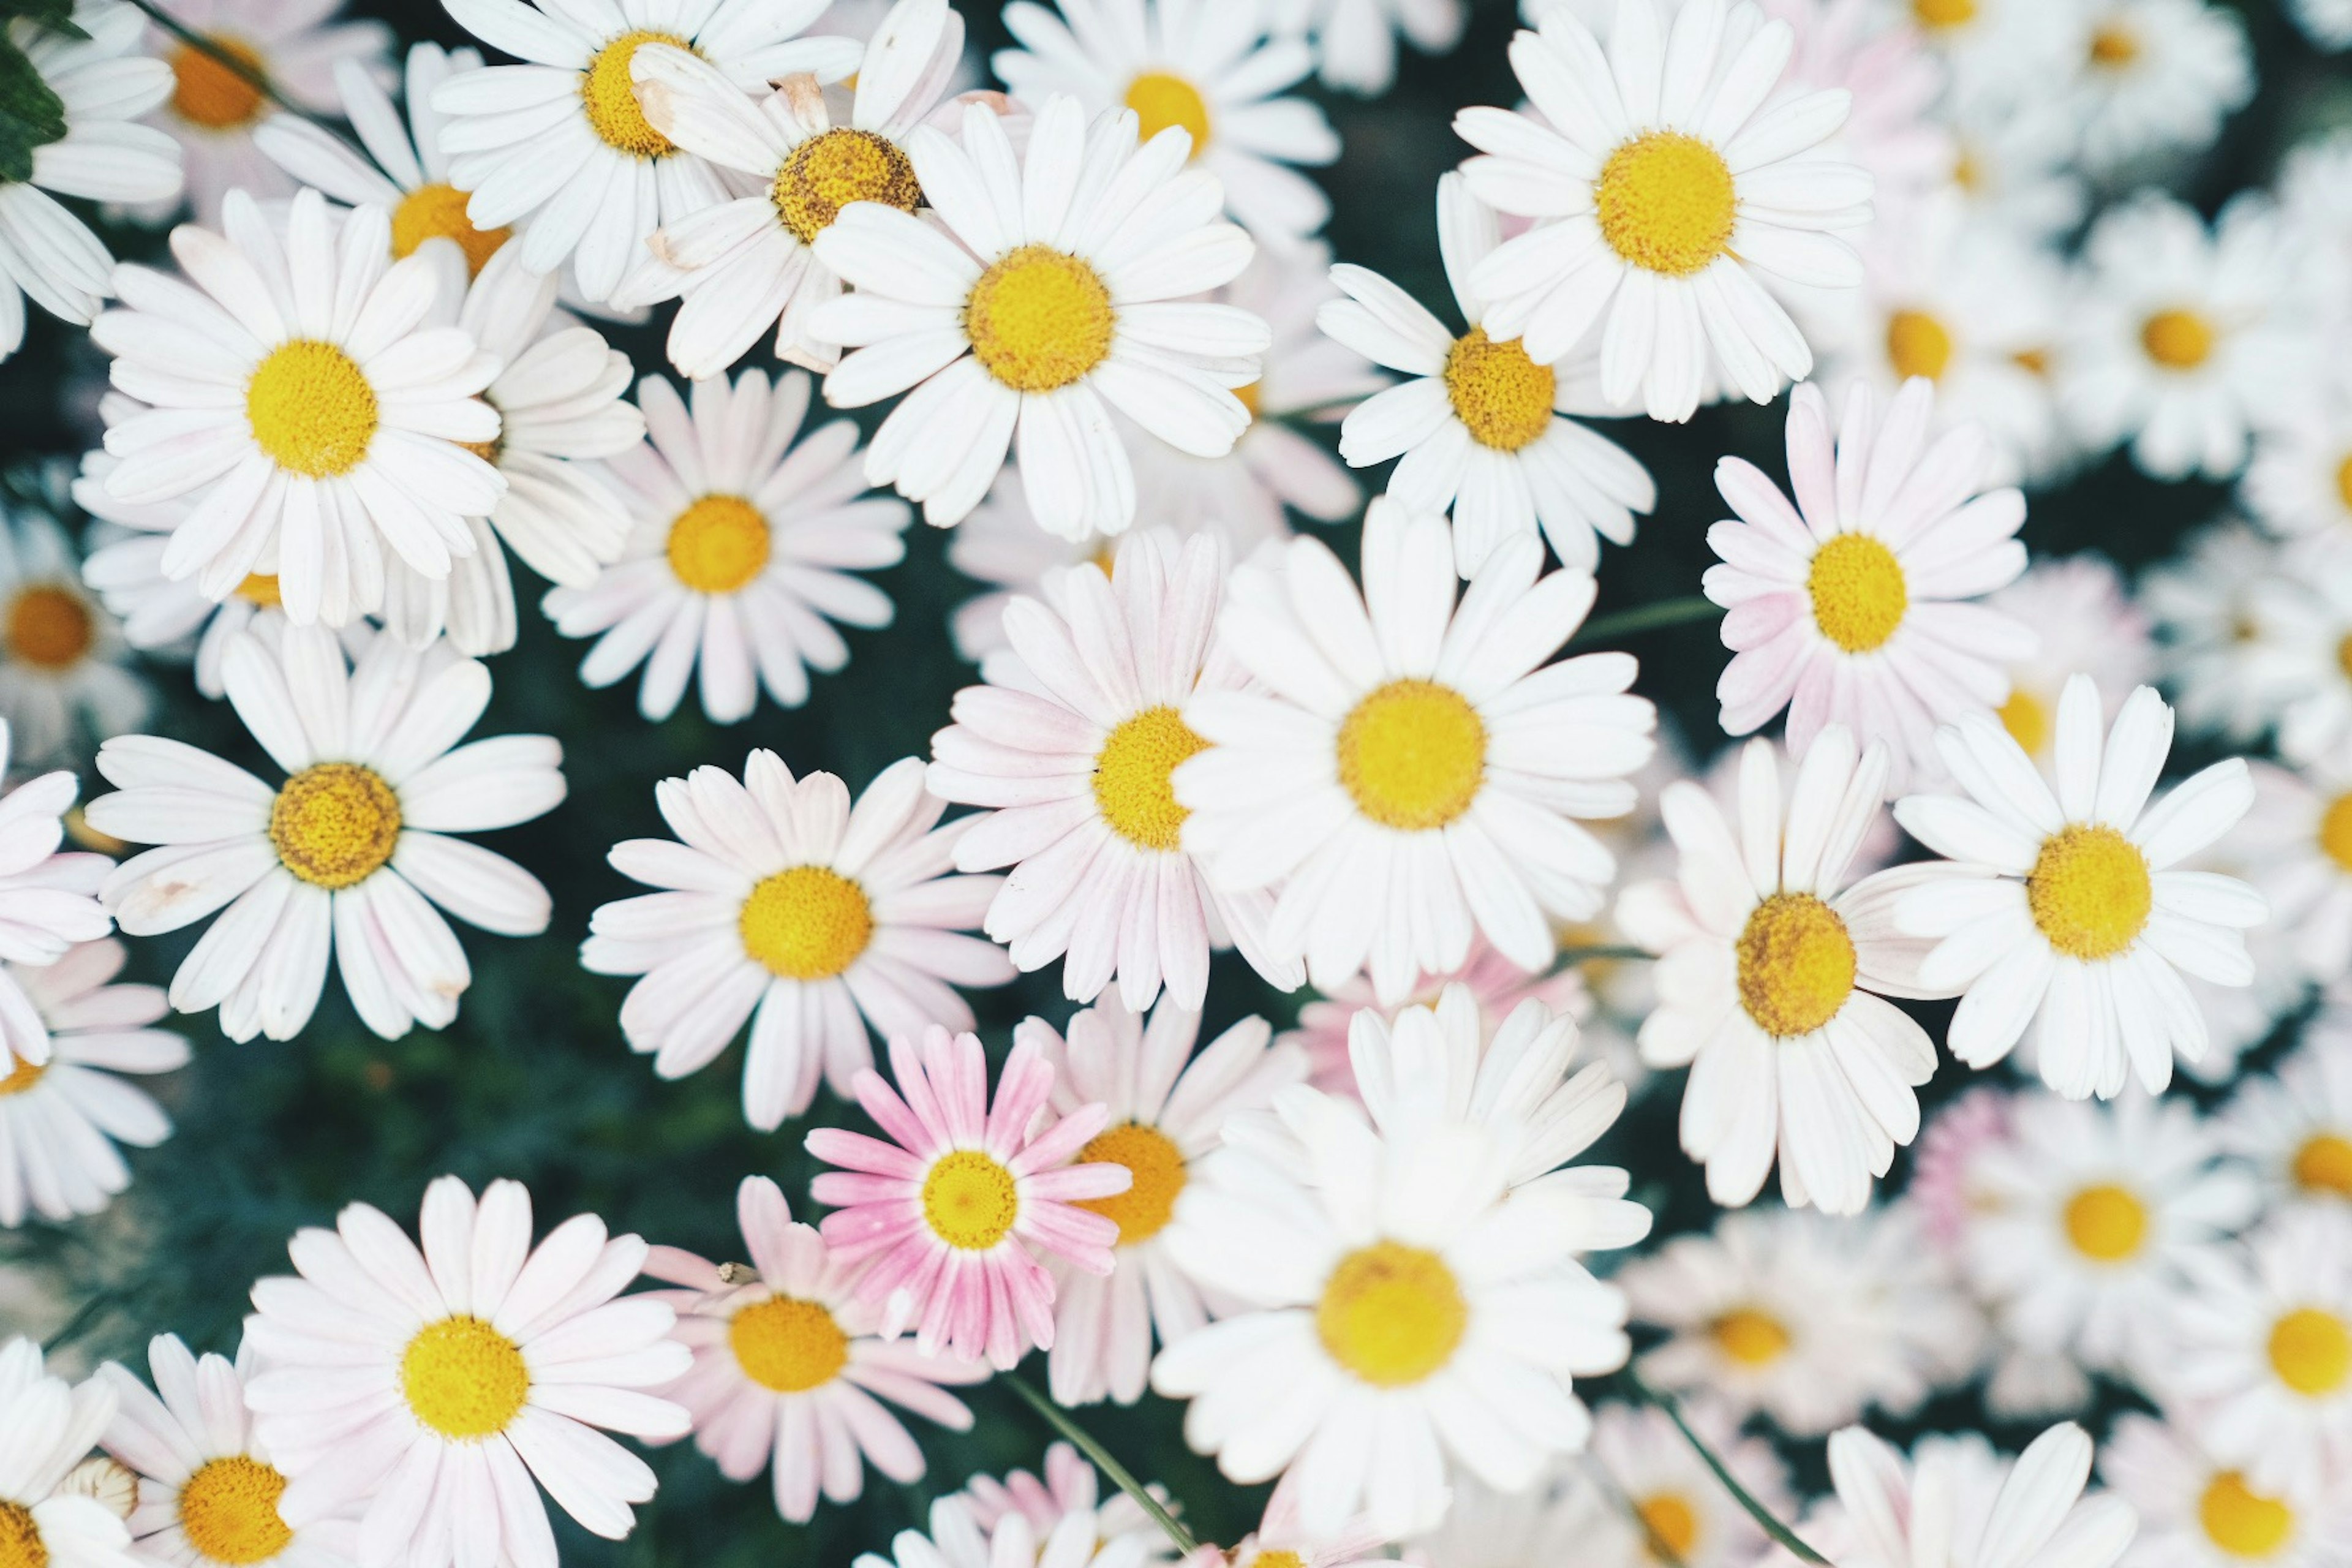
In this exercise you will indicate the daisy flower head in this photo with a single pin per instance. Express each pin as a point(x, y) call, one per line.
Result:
point(1659, 179)
point(784, 903)
point(2157, 77)
point(790, 1373)
point(481, 1358)
point(1405, 773)
point(2294, 1125)
point(349, 855)
point(2196, 1512)
point(1355, 41)
point(1061, 1518)
point(2000, 53)
point(561, 140)
point(1676, 1500)
point(1281, 1540)
point(2085, 621)
point(1478, 427)
point(950, 1214)
point(2016, 164)
point(739, 556)
point(2067, 911)
point(2209, 607)
point(2295, 849)
point(47, 903)
point(296, 393)
point(1853, 605)
point(64, 661)
point(1053, 291)
point(50, 1428)
point(2299, 484)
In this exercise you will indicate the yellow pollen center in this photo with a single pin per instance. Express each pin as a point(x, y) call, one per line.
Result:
point(1160, 101)
point(2089, 892)
point(229, 1510)
point(334, 824)
point(1941, 14)
point(1751, 1336)
point(1251, 397)
point(21, 1076)
point(2107, 1224)
point(312, 409)
point(787, 1344)
point(718, 543)
point(970, 1201)
point(2113, 46)
point(2324, 1164)
point(2343, 482)
point(21, 1545)
point(2027, 719)
point(2241, 1521)
point(2034, 361)
point(260, 588)
point(1504, 396)
point(1917, 345)
point(1158, 1171)
point(1667, 203)
point(50, 627)
point(1131, 772)
point(438, 212)
point(2176, 340)
point(463, 1379)
point(2311, 1350)
point(1859, 592)
point(1039, 319)
point(806, 922)
point(1413, 754)
point(1392, 1314)
point(1671, 1521)
point(1796, 964)
point(610, 97)
point(207, 93)
point(829, 171)
point(2336, 831)
point(1285, 1557)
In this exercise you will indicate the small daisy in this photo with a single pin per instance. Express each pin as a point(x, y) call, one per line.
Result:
point(1891, 1510)
point(50, 1428)
point(2297, 623)
point(2295, 849)
point(2294, 1125)
point(63, 657)
point(1658, 179)
point(1034, 310)
point(47, 903)
point(1676, 1500)
point(1065, 1511)
point(1853, 606)
point(1356, 40)
point(2067, 911)
point(482, 1359)
point(789, 1372)
point(2206, 604)
point(1478, 428)
point(948, 1216)
point(2085, 621)
point(2157, 77)
point(2196, 1514)
point(1406, 773)
point(739, 560)
point(2299, 485)
point(349, 856)
point(2015, 163)
point(785, 904)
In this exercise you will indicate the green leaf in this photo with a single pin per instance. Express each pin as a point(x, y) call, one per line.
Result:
point(30, 113)
point(57, 15)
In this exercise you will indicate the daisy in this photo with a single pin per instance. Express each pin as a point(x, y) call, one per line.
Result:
point(2085, 621)
point(561, 140)
point(1406, 773)
point(349, 855)
point(1043, 305)
point(1890, 1510)
point(950, 1214)
point(1657, 181)
point(2157, 77)
point(47, 903)
point(737, 562)
point(2299, 484)
point(63, 657)
point(2000, 53)
point(1281, 1541)
point(785, 904)
point(2015, 163)
point(2196, 1514)
point(61, 1119)
point(2208, 605)
point(1675, 1499)
point(1897, 128)
point(482, 1359)
point(2295, 849)
point(2067, 911)
point(1477, 427)
point(1065, 1510)
point(789, 1373)
point(1355, 40)
point(2293, 1125)
point(2298, 615)
point(1852, 606)
point(298, 396)
point(2327, 23)
point(50, 1426)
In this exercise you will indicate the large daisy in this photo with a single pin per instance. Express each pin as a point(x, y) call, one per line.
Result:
point(50, 1428)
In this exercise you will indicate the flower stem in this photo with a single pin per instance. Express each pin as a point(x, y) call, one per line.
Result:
point(84, 1315)
point(1605, 952)
point(1121, 1477)
point(1647, 618)
point(222, 57)
point(1739, 1494)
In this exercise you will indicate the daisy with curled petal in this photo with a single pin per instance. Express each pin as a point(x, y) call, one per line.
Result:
point(1478, 428)
point(2197, 1512)
point(48, 901)
point(1853, 605)
point(950, 1214)
point(1659, 179)
point(63, 657)
point(2157, 77)
point(783, 903)
point(1356, 40)
point(1056, 293)
point(2294, 1124)
point(2066, 910)
point(434, 1387)
point(789, 1373)
point(347, 857)
point(1890, 1508)
point(50, 1428)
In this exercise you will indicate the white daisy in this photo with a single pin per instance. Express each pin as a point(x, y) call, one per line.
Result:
point(1281, 1540)
point(739, 561)
point(1477, 427)
point(1565, 1512)
point(2298, 618)
point(1896, 129)
point(1356, 40)
point(1891, 1511)
point(2157, 77)
point(2207, 606)
point(2196, 1514)
point(2293, 1125)
point(349, 855)
point(1405, 772)
point(1060, 1519)
point(2085, 621)
point(50, 1428)
point(47, 902)
point(2067, 911)
point(2314, 196)
point(1051, 298)
point(2295, 849)
point(2000, 53)
point(782, 897)
point(2015, 162)
point(64, 661)
point(1658, 180)
point(2299, 484)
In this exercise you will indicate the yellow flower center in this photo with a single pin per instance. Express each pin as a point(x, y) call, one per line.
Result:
point(2343, 482)
point(971, 1201)
point(1667, 203)
point(1917, 345)
point(1286, 1557)
point(1796, 964)
point(2106, 1222)
point(438, 212)
point(2027, 719)
point(2089, 892)
point(1160, 101)
point(50, 627)
point(806, 922)
point(610, 97)
point(1039, 319)
point(1671, 1521)
point(207, 93)
point(829, 171)
point(1131, 772)
point(1251, 397)
point(1413, 754)
point(229, 1510)
point(1392, 1314)
point(2336, 831)
point(1504, 396)
point(21, 1076)
point(260, 588)
point(2176, 340)
point(2311, 1350)
point(718, 543)
point(2241, 1521)
point(2113, 46)
point(334, 824)
point(2324, 1164)
point(2034, 362)
point(787, 1344)
point(463, 1379)
point(1157, 1168)
point(1751, 1336)
point(1941, 14)
point(312, 409)
point(21, 1545)
point(1858, 591)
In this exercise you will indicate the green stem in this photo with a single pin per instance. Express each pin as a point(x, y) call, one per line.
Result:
point(84, 1315)
point(1121, 1477)
point(1739, 1494)
point(1647, 618)
point(1567, 955)
point(222, 57)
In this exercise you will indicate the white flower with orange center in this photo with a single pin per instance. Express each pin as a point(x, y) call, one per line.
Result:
point(2293, 1125)
point(64, 662)
point(2156, 78)
point(2197, 1512)
point(46, 1521)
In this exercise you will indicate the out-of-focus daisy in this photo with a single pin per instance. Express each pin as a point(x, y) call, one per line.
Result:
point(2067, 911)
point(2327, 23)
point(2084, 622)
point(2294, 1124)
point(2196, 1514)
point(1281, 1540)
point(2157, 76)
point(51, 1428)
point(947, 1216)
point(1565, 1512)
point(1895, 129)
point(347, 857)
point(1852, 606)
point(2208, 602)
point(1659, 178)
point(481, 1359)
point(739, 560)
point(1355, 41)
point(2240, 1017)
point(46, 901)
point(2297, 625)
point(2014, 163)
point(2295, 848)
point(1676, 1500)
point(789, 1373)
point(63, 659)
point(2299, 485)
point(1478, 428)
point(784, 903)
point(1028, 316)
point(1406, 773)
point(1061, 1519)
